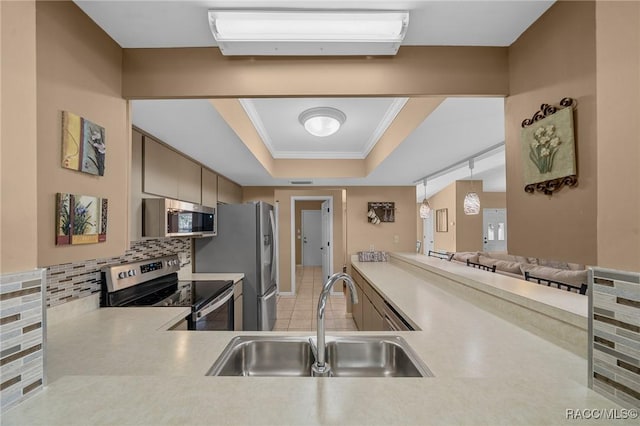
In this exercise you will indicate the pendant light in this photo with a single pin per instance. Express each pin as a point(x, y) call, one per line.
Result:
point(471, 200)
point(425, 208)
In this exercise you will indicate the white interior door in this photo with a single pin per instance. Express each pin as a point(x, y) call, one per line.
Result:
point(311, 238)
point(494, 229)
point(326, 240)
point(427, 243)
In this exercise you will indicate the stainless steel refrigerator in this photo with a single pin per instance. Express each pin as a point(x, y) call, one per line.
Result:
point(245, 243)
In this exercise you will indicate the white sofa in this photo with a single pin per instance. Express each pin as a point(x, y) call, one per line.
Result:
point(565, 275)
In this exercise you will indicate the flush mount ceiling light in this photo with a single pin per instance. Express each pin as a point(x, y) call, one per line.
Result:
point(471, 204)
point(322, 121)
point(308, 32)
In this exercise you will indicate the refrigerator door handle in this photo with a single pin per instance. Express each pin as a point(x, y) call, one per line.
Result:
point(273, 248)
point(270, 294)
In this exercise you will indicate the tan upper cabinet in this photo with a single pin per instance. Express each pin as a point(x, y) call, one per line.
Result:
point(160, 174)
point(188, 180)
point(168, 174)
point(209, 188)
point(229, 192)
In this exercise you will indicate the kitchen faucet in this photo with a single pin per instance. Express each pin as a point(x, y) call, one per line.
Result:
point(320, 367)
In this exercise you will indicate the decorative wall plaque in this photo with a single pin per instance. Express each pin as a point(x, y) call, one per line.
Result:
point(548, 148)
point(381, 211)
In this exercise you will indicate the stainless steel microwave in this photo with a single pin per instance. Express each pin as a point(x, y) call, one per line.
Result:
point(164, 217)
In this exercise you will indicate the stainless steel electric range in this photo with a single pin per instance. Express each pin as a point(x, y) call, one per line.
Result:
point(154, 282)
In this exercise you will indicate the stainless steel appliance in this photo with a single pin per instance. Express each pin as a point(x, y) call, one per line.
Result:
point(245, 244)
point(154, 282)
point(164, 217)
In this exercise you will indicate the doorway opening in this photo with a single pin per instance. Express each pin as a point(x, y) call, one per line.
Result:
point(494, 229)
point(311, 245)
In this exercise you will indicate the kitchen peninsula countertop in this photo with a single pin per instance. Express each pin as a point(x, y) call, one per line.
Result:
point(120, 366)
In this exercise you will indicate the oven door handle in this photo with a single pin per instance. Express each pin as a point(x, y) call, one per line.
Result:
point(215, 304)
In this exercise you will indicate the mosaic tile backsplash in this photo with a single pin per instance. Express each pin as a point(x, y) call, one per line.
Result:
point(71, 281)
point(22, 338)
point(614, 326)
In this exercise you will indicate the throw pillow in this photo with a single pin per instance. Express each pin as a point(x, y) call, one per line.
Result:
point(462, 256)
point(501, 265)
point(575, 278)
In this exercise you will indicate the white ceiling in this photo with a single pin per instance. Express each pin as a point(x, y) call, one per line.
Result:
point(458, 128)
point(277, 123)
point(149, 23)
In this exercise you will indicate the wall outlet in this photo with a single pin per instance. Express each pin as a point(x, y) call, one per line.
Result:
point(396, 239)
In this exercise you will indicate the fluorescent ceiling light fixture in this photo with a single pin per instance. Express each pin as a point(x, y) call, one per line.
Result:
point(322, 121)
point(308, 32)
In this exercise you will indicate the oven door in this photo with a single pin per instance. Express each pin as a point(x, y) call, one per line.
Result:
point(215, 315)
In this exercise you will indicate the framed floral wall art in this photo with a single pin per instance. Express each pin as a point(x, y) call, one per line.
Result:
point(548, 149)
point(83, 144)
point(80, 219)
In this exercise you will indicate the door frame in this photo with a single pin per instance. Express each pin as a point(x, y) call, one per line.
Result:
point(295, 198)
point(302, 245)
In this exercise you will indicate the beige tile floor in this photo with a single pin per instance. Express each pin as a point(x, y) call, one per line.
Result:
point(299, 313)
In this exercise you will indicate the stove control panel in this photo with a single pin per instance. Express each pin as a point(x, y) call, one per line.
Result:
point(125, 275)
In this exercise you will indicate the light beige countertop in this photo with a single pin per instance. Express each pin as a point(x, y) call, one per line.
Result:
point(119, 366)
point(571, 307)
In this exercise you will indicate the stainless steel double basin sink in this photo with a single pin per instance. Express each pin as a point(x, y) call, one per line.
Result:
point(277, 356)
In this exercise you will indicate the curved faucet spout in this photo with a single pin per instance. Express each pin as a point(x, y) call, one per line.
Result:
point(320, 368)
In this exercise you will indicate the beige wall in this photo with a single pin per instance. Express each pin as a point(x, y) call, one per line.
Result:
point(493, 200)
point(464, 232)
point(553, 59)
point(445, 199)
point(389, 236)
point(18, 156)
point(79, 70)
point(302, 205)
point(414, 71)
point(618, 134)
point(258, 193)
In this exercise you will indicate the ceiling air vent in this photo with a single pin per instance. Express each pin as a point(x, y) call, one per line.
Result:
point(300, 182)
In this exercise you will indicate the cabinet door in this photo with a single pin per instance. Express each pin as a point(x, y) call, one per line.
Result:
point(228, 192)
point(135, 205)
point(188, 180)
point(373, 320)
point(357, 309)
point(209, 188)
point(160, 169)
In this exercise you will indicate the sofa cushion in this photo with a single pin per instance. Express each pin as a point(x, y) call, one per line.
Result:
point(499, 255)
point(463, 256)
point(575, 278)
point(553, 264)
point(501, 265)
point(576, 266)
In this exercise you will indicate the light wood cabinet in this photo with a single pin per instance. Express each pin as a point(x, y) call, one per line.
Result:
point(371, 318)
point(228, 192)
point(357, 310)
point(160, 174)
point(237, 306)
point(168, 174)
point(209, 188)
point(189, 186)
point(368, 313)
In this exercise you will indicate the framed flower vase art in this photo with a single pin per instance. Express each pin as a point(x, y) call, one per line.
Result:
point(548, 149)
point(83, 144)
point(80, 219)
